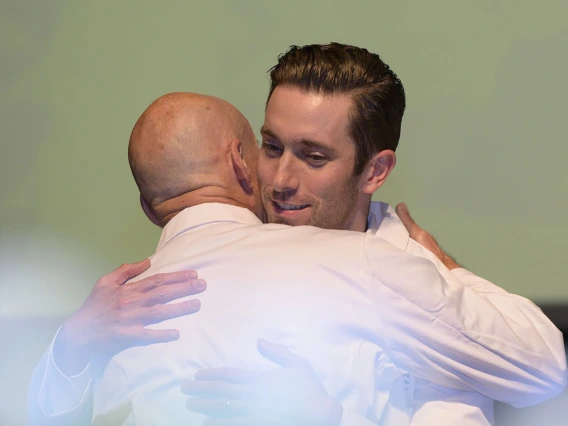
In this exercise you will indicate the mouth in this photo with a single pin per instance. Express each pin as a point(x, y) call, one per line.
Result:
point(285, 208)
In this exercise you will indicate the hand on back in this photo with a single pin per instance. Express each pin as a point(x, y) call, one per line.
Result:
point(116, 312)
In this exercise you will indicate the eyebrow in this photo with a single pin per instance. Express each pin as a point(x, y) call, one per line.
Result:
point(266, 131)
point(306, 142)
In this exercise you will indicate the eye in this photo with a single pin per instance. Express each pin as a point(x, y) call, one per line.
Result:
point(271, 148)
point(317, 159)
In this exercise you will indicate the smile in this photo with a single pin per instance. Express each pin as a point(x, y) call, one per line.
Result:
point(284, 206)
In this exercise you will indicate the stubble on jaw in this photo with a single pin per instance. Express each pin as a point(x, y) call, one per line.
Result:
point(336, 212)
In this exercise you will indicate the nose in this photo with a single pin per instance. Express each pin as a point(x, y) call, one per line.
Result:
point(285, 176)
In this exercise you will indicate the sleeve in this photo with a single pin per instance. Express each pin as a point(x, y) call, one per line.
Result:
point(55, 399)
point(448, 406)
point(464, 336)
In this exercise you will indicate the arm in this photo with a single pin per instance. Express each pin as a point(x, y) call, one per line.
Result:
point(56, 399)
point(294, 395)
point(452, 407)
point(497, 343)
point(290, 396)
point(213, 388)
point(111, 319)
point(424, 239)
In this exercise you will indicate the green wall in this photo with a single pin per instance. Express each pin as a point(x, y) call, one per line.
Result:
point(481, 163)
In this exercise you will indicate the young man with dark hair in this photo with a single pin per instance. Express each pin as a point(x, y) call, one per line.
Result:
point(332, 124)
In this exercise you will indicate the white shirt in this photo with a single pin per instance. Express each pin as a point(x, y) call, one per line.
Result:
point(405, 315)
point(432, 401)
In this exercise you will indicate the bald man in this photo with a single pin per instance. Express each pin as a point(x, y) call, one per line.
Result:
point(265, 281)
point(187, 172)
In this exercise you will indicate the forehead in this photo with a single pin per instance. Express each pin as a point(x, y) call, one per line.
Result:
point(293, 114)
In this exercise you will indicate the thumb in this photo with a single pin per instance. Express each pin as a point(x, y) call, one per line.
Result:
point(130, 270)
point(279, 354)
point(404, 215)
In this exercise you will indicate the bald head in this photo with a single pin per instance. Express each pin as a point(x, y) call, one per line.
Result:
point(180, 151)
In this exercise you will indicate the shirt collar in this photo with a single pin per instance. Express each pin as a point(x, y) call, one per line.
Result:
point(384, 223)
point(204, 214)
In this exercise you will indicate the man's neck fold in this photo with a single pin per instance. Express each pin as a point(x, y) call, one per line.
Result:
point(170, 208)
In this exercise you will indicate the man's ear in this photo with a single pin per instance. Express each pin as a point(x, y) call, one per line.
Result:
point(240, 168)
point(149, 212)
point(377, 171)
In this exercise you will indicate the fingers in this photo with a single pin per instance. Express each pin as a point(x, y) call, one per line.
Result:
point(124, 272)
point(147, 337)
point(219, 408)
point(159, 313)
point(228, 374)
point(279, 354)
point(159, 280)
point(239, 421)
point(215, 389)
point(167, 293)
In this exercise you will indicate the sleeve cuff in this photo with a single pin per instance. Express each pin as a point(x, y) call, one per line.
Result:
point(61, 394)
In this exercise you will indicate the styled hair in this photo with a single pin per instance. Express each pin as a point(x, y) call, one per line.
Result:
point(377, 94)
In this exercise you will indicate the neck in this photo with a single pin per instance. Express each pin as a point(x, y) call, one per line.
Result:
point(358, 220)
point(168, 209)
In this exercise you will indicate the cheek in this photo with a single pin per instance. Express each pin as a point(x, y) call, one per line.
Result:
point(263, 172)
point(339, 190)
point(323, 187)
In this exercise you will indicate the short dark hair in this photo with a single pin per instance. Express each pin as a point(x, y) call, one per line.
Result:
point(376, 91)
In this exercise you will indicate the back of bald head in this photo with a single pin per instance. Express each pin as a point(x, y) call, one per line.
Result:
point(181, 143)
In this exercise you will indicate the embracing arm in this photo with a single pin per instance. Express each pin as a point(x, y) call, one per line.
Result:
point(290, 396)
point(111, 319)
point(55, 399)
point(456, 329)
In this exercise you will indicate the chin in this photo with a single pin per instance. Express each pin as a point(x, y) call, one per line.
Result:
point(283, 221)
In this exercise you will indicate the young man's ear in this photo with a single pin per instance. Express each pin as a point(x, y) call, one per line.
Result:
point(377, 171)
point(149, 212)
point(240, 168)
